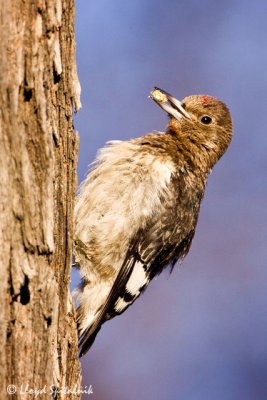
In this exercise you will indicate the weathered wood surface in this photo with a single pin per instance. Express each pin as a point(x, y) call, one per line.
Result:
point(39, 89)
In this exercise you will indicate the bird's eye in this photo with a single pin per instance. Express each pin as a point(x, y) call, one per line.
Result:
point(206, 120)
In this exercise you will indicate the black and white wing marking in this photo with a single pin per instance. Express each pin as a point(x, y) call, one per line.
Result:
point(141, 264)
point(118, 299)
point(165, 240)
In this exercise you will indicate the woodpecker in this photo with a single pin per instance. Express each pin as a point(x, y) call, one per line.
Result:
point(137, 209)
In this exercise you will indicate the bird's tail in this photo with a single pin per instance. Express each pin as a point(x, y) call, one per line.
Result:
point(87, 337)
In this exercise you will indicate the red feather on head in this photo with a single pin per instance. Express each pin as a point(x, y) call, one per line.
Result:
point(208, 100)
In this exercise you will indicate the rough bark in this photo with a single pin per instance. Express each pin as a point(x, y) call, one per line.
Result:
point(38, 152)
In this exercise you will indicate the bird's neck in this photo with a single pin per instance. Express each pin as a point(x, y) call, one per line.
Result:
point(198, 155)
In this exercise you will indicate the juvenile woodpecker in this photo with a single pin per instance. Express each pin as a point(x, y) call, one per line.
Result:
point(137, 209)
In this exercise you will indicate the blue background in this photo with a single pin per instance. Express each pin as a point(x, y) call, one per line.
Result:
point(201, 333)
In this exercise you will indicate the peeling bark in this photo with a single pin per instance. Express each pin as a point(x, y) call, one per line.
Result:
point(39, 89)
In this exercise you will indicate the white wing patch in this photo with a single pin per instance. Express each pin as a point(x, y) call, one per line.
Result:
point(137, 280)
point(120, 305)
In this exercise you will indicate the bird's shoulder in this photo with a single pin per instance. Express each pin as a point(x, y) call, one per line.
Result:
point(157, 144)
point(145, 160)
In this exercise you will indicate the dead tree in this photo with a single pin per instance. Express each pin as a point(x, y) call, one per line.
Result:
point(39, 90)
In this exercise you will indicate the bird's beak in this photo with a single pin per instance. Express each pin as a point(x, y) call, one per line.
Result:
point(169, 103)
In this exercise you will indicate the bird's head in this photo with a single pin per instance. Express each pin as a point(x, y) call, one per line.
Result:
point(200, 120)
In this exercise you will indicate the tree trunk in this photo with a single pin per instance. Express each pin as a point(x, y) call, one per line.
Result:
point(38, 153)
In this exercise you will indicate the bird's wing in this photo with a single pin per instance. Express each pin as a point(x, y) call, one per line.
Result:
point(148, 254)
point(107, 310)
point(165, 239)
